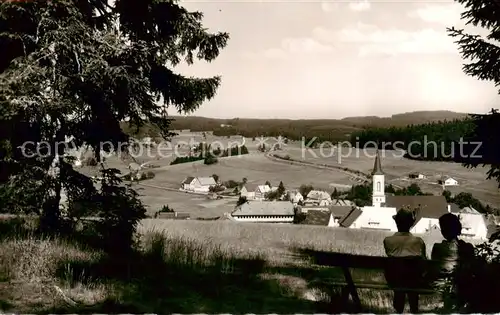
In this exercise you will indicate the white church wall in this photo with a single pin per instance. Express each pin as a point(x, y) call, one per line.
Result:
point(376, 218)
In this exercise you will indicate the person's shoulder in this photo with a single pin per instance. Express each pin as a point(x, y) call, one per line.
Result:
point(417, 239)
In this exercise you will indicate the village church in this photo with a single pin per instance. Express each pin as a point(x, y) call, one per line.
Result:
point(379, 215)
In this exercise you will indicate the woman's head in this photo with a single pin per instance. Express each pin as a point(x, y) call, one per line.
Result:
point(450, 226)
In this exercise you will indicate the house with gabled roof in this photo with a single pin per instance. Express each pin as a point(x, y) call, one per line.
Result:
point(318, 198)
point(198, 184)
point(188, 183)
point(295, 196)
point(447, 181)
point(264, 212)
point(474, 223)
point(248, 191)
point(261, 191)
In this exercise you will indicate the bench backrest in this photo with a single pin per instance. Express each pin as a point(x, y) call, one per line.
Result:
point(393, 267)
point(360, 261)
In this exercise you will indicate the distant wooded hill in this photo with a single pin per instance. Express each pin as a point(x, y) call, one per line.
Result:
point(324, 129)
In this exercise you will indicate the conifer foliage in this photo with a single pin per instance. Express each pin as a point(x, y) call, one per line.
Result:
point(482, 54)
point(75, 69)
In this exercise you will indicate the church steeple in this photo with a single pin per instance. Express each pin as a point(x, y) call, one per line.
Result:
point(378, 182)
point(377, 167)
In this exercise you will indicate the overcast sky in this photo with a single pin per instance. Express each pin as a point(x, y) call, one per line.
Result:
point(312, 59)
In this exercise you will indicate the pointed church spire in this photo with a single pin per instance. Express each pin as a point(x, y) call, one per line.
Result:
point(377, 167)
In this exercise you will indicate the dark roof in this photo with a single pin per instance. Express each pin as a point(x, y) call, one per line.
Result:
point(454, 208)
point(265, 208)
point(340, 211)
point(250, 187)
point(317, 217)
point(429, 206)
point(377, 167)
point(188, 180)
point(351, 217)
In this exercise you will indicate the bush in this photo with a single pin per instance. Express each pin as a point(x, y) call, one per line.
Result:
point(186, 159)
point(231, 184)
point(210, 160)
point(241, 201)
point(147, 175)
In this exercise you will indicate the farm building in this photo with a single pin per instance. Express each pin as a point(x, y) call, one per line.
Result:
point(447, 181)
point(198, 184)
point(416, 175)
point(173, 215)
point(318, 198)
point(248, 191)
point(474, 224)
point(261, 191)
point(264, 212)
point(323, 218)
point(380, 215)
point(135, 170)
point(296, 196)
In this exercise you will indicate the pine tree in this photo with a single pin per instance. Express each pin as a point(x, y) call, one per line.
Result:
point(281, 189)
point(84, 69)
point(483, 54)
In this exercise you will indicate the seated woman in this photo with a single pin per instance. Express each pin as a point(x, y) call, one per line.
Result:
point(454, 257)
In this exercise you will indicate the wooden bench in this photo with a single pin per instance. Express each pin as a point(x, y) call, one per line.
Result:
point(390, 267)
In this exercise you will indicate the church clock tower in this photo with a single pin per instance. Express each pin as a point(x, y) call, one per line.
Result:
point(378, 182)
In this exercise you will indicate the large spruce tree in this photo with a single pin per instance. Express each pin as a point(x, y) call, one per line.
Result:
point(77, 69)
point(483, 56)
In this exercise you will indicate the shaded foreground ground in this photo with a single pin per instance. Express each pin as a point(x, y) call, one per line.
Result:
point(169, 274)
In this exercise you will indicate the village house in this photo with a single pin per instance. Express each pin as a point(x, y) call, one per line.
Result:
point(135, 170)
point(447, 181)
point(474, 224)
point(318, 198)
point(148, 141)
point(248, 191)
point(198, 184)
point(417, 175)
point(261, 191)
point(295, 196)
point(264, 212)
point(380, 215)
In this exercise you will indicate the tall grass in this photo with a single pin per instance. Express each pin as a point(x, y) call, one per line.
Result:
point(274, 240)
point(180, 267)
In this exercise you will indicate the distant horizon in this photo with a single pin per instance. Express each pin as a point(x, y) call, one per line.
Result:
point(324, 118)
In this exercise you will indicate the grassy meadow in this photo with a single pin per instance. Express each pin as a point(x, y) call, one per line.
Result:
point(397, 169)
point(249, 268)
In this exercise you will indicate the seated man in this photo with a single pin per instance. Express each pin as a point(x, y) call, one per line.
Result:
point(406, 275)
point(454, 257)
